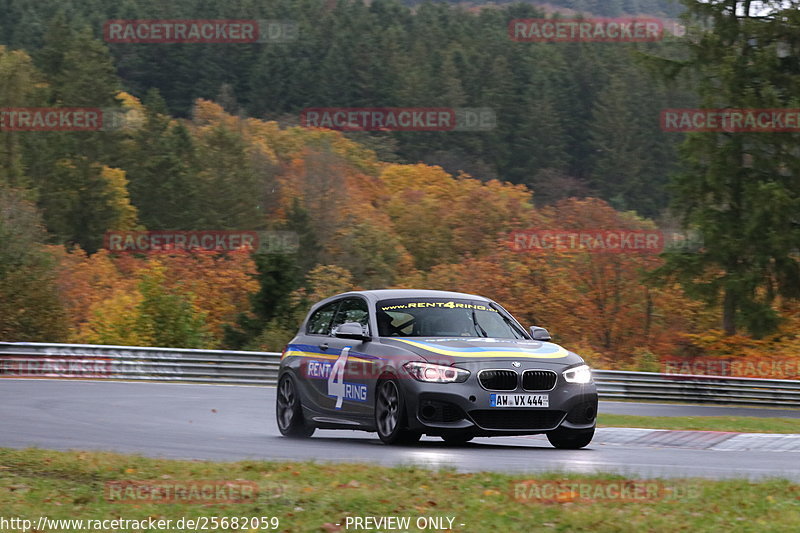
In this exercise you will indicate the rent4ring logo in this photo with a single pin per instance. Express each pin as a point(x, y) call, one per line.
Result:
point(399, 118)
point(152, 31)
point(334, 373)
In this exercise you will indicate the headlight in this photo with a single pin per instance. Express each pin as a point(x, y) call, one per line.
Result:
point(436, 373)
point(579, 374)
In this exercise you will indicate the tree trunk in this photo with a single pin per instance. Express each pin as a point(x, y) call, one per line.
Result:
point(729, 313)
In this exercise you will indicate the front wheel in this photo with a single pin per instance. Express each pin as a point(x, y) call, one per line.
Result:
point(390, 415)
point(570, 439)
point(289, 412)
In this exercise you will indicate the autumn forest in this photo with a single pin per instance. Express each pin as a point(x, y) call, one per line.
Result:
point(210, 139)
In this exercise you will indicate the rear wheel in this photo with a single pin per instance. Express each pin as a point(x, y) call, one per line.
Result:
point(570, 439)
point(289, 412)
point(390, 415)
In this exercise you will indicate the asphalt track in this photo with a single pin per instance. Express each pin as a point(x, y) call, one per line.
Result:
point(230, 423)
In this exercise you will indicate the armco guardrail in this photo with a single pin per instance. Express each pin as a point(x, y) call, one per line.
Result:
point(699, 389)
point(135, 363)
point(261, 368)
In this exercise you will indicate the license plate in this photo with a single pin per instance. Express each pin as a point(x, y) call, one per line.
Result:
point(519, 400)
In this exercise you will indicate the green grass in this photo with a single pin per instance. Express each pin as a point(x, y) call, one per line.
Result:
point(309, 497)
point(741, 424)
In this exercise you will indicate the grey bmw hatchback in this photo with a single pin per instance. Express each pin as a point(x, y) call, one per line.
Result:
point(404, 363)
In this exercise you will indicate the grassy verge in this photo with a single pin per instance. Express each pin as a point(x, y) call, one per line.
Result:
point(308, 497)
point(741, 424)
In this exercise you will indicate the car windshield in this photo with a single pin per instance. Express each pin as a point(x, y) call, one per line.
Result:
point(442, 317)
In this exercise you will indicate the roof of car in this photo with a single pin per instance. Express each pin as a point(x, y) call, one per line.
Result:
point(386, 294)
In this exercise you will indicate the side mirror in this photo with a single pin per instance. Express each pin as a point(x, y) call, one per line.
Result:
point(540, 334)
point(351, 330)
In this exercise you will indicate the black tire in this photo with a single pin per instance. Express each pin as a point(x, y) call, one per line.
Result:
point(457, 439)
point(390, 414)
point(289, 412)
point(570, 439)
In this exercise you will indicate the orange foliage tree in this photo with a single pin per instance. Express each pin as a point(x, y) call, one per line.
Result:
point(595, 301)
point(220, 285)
point(410, 225)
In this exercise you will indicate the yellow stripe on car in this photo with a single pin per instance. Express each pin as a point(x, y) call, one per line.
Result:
point(559, 353)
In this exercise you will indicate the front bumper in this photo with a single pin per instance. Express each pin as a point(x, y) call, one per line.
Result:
point(441, 408)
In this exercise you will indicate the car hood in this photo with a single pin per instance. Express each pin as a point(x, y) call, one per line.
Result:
point(451, 351)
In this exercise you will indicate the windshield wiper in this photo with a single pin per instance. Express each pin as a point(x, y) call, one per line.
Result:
point(478, 327)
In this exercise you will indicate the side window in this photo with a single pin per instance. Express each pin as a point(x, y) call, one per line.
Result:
point(320, 321)
point(352, 310)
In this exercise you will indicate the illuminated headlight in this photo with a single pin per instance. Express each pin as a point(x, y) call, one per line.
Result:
point(436, 373)
point(579, 374)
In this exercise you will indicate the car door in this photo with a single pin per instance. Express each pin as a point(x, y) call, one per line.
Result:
point(349, 384)
point(318, 358)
